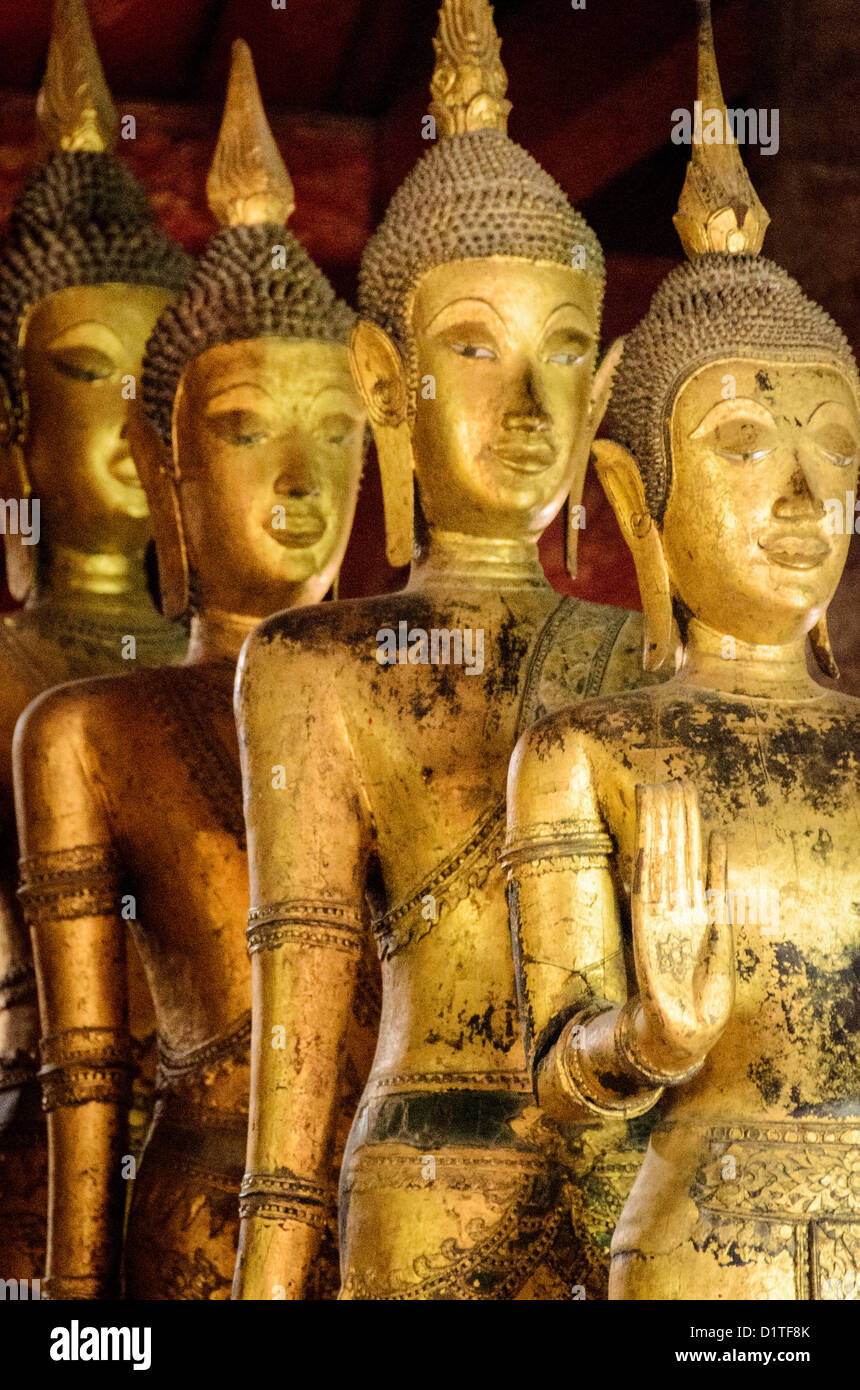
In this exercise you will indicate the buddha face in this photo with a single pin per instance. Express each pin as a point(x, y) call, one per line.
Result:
point(505, 352)
point(268, 437)
point(82, 354)
point(758, 450)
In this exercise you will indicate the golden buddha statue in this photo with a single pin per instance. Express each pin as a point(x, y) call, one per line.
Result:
point(84, 274)
point(683, 860)
point(128, 788)
point(480, 300)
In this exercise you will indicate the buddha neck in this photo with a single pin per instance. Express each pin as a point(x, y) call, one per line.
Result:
point(716, 661)
point(100, 584)
point(217, 635)
point(452, 560)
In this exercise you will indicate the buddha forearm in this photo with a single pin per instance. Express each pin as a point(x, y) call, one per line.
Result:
point(304, 958)
point(86, 1089)
point(70, 900)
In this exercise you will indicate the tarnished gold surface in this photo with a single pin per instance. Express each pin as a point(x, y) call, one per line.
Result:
point(645, 831)
point(469, 82)
point(454, 1185)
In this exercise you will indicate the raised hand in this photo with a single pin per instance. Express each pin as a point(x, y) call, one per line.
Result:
point(682, 936)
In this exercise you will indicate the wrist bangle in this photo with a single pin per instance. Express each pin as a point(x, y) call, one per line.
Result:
point(578, 1080)
point(627, 1048)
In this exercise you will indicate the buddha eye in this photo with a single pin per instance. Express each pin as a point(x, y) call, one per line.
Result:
point(337, 429)
point(474, 350)
point(837, 444)
point(569, 352)
point(742, 440)
point(241, 428)
point(82, 363)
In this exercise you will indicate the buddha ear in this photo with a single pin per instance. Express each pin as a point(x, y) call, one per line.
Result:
point(601, 389)
point(621, 481)
point(14, 482)
point(154, 462)
point(380, 377)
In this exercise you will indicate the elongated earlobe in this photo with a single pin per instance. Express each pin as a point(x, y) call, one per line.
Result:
point(619, 477)
point(819, 639)
point(14, 482)
point(380, 377)
point(155, 464)
point(600, 392)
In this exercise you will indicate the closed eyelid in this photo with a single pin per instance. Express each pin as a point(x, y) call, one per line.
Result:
point(727, 410)
point(87, 335)
point(243, 397)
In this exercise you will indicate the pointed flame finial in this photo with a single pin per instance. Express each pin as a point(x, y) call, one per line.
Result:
point(469, 83)
point(248, 182)
point(74, 106)
point(719, 210)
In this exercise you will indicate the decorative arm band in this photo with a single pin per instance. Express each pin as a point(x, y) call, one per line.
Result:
point(70, 883)
point(81, 1065)
point(336, 926)
point(563, 839)
point(285, 1197)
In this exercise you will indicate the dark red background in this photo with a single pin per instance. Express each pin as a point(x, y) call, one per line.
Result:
point(593, 90)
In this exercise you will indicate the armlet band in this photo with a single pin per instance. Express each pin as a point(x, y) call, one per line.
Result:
point(285, 1197)
point(81, 1065)
point(337, 926)
point(70, 883)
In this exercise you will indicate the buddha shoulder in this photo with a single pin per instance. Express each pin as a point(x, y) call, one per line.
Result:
point(86, 718)
point(316, 641)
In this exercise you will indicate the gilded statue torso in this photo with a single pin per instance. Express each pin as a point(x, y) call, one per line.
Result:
point(742, 1160)
point(429, 748)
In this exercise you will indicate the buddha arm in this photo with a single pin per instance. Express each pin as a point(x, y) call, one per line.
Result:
point(71, 896)
point(19, 1026)
point(567, 937)
point(308, 839)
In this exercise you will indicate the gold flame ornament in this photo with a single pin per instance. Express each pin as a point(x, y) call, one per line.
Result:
point(469, 82)
point(719, 210)
point(248, 183)
point(74, 106)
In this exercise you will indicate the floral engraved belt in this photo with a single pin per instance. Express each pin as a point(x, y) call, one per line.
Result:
point(782, 1172)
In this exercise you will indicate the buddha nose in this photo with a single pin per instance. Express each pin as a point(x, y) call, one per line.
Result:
point(800, 501)
point(528, 413)
point(296, 476)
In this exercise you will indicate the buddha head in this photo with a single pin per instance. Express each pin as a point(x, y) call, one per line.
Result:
point(479, 316)
point(736, 405)
point(84, 274)
point(254, 433)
